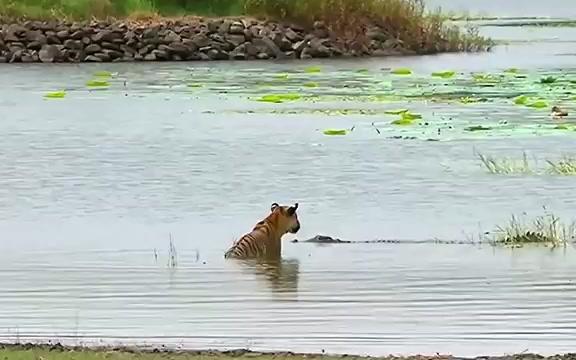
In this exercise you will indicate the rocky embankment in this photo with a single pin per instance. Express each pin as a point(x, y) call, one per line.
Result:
point(181, 40)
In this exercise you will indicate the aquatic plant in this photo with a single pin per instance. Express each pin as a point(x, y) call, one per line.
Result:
point(194, 85)
point(545, 230)
point(538, 104)
point(477, 128)
point(521, 100)
point(55, 94)
point(548, 80)
point(506, 165)
point(401, 71)
point(564, 166)
point(310, 84)
point(97, 83)
point(279, 98)
point(172, 254)
point(396, 112)
point(103, 73)
point(333, 132)
point(313, 69)
point(444, 74)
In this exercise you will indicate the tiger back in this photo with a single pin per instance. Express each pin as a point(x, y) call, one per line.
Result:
point(265, 239)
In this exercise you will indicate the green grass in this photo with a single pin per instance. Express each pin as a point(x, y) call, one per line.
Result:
point(564, 166)
point(546, 230)
point(406, 20)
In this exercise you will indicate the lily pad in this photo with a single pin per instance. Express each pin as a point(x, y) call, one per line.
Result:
point(55, 94)
point(313, 69)
point(539, 104)
point(192, 85)
point(444, 74)
point(403, 121)
point(103, 73)
point(282, 76)
point(396, 112)
point(362, 71)
point(311, 84)
point(410, 116)
point(402, 71)
point(333, 132)
point(97, 83)
point(521, 100)
point(279, 98)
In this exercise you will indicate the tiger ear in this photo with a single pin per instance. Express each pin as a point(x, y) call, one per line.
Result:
point(292, 209)
point(273, 207)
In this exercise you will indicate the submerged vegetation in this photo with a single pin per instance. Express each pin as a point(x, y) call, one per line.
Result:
point(547, 230)
point(405, 21)
point(509, 166)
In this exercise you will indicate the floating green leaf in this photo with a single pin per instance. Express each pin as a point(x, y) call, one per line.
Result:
point(55, 94)
point(444, 74)
point(403, 121)
point(471, 100)
point(402, 71)
point(333, 132)
point(279, 98)
point(521, 100)
point(313, 69)
point(97, 83)
point(103, 73)
point(192, 85)
point(311, 84)
point(511, 70)
point(396, 112)
point(410, 116)
point(282, 76)
point(362, 71)
point(539, 104)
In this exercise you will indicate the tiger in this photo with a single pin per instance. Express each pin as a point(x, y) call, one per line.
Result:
point(264, 241)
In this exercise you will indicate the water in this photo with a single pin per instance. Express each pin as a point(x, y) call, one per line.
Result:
point(93, 185)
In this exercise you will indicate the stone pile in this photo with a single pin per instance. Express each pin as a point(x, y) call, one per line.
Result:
point(182, 40)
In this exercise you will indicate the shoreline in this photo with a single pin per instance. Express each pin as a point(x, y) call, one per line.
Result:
point(53, 351)
point(190, 39)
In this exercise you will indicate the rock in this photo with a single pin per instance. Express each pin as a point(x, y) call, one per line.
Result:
point(128, 50)
point(63, 35)
point(235, 40)
point(150, 33)
point(92, 49)
point(27, 58)
point(73, 44)
point(300, 45)
point(266, 45)
point(52, 39)
point(150, 57)
point(3, 59)
point(13, 32)
point(305, 54)
point(179, 49)
point(239, 53)
point(172, 37)
point(292, 35)
point(262, 56)
point(111, 46)
point(282, 42)
point(92, 58)
point(34, 45)
point(215, 54)
point(49, 53)
point(214, 25)
point(86, 40)
point(224, 28)
point(16, 56)
point(236, 28)
point(201, 40)
point(77, 35)
point(103, 56)
point(36, 36)
point(161, 54)
point(317, 49)
point(113, 54)
point(104, 35)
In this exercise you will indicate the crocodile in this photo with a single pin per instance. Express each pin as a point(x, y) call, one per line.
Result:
point(324, 239)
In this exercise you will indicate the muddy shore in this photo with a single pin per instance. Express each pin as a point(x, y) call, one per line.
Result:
point(58, 351)
point(184, 39)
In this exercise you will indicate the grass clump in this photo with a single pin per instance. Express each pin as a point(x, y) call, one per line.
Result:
point(545, 230)
point(506, 165)
point(564, 166)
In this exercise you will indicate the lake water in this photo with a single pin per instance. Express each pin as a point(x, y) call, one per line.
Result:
point(94, 185)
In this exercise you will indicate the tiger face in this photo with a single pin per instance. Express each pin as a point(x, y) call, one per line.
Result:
point(288, 218)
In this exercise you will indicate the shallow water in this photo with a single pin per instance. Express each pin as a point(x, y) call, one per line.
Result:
point(93, 185)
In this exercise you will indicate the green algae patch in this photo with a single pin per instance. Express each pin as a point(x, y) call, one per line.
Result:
point(401, 71)
point(193, 85)
point(410, 116)
point(402, 121)
point(335, 132)
point(55, 94)
point(282, 76)
point(279, 98)
point(313, 69)
point(97, 83)
point(444, 74)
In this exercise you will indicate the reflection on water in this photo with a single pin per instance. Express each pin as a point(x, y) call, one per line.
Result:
point(278, 275)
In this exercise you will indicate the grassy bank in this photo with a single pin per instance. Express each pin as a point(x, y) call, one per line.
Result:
point(405, 20)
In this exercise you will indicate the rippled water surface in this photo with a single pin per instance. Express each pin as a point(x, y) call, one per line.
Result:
point(93, 185)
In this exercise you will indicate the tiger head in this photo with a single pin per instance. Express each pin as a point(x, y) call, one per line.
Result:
point(287, 217)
